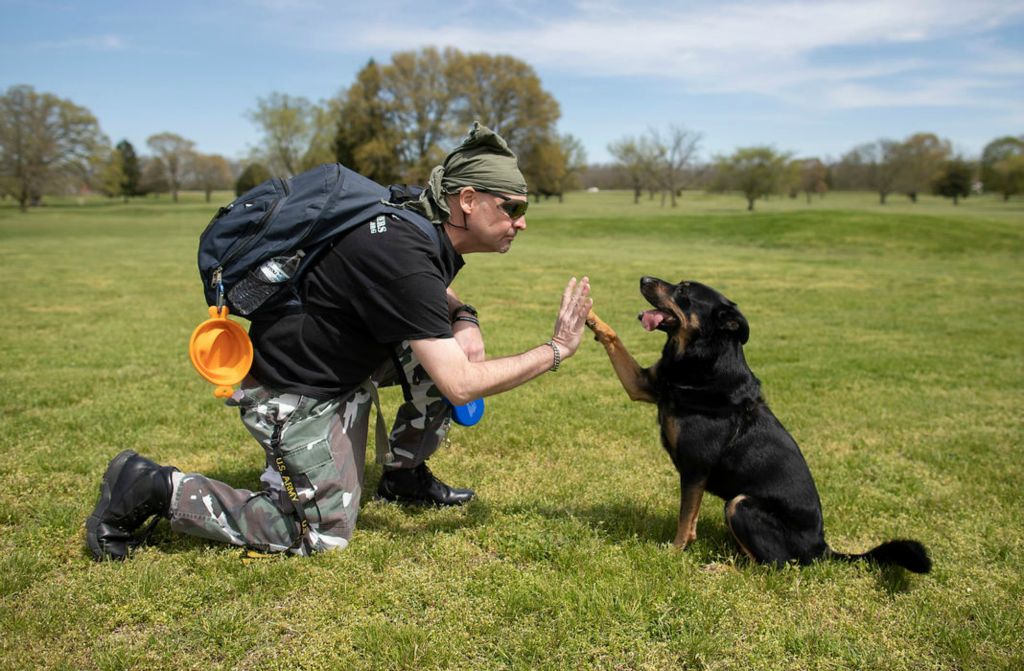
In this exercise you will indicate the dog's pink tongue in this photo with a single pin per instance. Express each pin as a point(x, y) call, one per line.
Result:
point(651, 318)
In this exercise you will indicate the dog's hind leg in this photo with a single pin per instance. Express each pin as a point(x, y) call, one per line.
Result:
point(691, 494)
point(758, 531)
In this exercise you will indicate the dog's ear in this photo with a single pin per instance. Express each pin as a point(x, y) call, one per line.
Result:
point(731, 320)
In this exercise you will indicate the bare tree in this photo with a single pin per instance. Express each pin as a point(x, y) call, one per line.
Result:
point(636, 159)
point(677, 147)
point(875, 166)
point(211, 172)
point(813, 177)
point(173, 155)
point(153, 177)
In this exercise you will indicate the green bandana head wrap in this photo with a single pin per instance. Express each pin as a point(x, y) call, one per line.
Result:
point(483, 161)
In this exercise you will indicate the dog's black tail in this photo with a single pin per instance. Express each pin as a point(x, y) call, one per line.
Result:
point(911, 555)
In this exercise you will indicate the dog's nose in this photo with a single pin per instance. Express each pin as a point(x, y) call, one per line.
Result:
point(647, 279)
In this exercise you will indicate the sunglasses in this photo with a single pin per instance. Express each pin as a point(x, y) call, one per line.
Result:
point(515, 209)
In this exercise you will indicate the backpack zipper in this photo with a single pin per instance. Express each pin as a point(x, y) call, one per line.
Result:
point(247, 244)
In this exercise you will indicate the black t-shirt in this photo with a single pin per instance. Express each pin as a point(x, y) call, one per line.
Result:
point(377, 286)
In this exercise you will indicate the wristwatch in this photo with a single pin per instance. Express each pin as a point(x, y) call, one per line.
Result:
point(467, 308)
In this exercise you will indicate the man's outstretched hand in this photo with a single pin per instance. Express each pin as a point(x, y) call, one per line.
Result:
point(572, 316)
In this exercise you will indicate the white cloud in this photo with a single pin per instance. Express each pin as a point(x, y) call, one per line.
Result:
point(108, 42)
point(945, 92)
point(769, 48)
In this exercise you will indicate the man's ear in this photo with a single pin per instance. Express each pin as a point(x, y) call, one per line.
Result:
point(467, 199)
point(731, 320)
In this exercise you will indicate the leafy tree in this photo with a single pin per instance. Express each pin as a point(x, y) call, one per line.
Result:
point(996, 152)
point(1010, 175)
point(174, 155)
point(756, 172)
point(211, 172)
point(367, 136)
point(505, 94)
point(919, 158)
point(321, 142)
point(108, 177)
point(131, 173)
point(44, 142)
point(397, 119)
point(552, 167)
point(418, 90)
point(953, 180)
point(289, 124)
point(544, 169)
point(675, 149)
point(253, 175)
point(637, 159)
point(575, 160)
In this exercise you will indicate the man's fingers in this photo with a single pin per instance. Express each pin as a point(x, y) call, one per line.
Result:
point(568, 293)
point(582, 310)
point(581, 299)
point(583, 288)
point(585, 307)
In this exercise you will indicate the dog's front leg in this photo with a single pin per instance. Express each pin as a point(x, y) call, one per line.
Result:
point(638, 382)
point(690, 496)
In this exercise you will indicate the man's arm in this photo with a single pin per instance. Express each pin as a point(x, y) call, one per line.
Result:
point(467, 334)
point(462, 380)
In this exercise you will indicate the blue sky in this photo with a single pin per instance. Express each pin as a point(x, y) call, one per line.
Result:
point(811, 77)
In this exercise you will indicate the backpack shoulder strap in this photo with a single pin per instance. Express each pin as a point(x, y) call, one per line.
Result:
point(420, 222)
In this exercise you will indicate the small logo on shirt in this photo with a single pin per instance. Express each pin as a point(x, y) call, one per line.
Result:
point(379, 225)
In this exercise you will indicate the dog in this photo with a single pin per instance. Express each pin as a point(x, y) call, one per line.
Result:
point(721, 435)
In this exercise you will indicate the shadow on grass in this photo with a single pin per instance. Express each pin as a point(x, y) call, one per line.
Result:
point(630, 523)
point(893, 580)
point(617, 524)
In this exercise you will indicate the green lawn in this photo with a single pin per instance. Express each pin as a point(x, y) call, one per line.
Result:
point(888, 340)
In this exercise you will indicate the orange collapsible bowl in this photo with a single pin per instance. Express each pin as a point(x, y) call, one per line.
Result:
point(221, 351)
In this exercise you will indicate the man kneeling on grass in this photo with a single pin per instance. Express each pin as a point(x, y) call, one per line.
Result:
point(380, 312)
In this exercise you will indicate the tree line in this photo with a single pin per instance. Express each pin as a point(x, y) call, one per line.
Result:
point(392, 124)
point(665, 163)
point(396, 120)
point(50, 145)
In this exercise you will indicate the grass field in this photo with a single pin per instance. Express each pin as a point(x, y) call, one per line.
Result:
point(889, 340)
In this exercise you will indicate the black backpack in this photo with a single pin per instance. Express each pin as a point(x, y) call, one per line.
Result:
point(295, 219)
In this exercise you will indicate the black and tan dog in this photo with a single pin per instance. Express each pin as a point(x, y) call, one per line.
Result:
point(722, 437)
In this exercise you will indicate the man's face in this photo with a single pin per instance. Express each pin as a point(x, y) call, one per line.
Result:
point(495, 221)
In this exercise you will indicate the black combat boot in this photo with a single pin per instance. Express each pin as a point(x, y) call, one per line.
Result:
point(133, 490)
point(418, 486)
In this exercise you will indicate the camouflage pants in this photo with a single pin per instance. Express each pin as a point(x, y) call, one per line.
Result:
point(323, 448)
